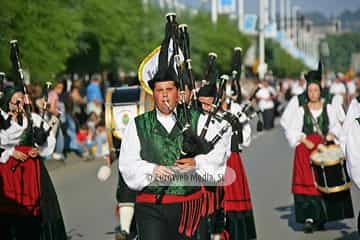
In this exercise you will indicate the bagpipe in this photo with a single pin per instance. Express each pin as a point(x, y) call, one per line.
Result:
point(237, 121)
point(178, 56)
point(38, 133)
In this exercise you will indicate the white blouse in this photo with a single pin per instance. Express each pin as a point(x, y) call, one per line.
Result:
point(11, 137)
point(137, 172)
point(353, 112)
point(292, 121)
point(352, 142)
point(266, 92)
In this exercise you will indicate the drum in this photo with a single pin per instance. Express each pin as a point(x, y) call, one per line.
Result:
point(122, 105)
point(329, 169)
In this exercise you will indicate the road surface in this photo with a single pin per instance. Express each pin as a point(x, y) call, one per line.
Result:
point(88, 205)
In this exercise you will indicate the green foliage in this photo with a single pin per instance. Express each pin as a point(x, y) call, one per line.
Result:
point(45, 31)
point(341, 48)
point(280, 62)
point(90, 35)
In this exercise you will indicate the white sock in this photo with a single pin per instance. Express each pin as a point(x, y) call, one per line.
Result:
point(216, 236)
point(126, 211)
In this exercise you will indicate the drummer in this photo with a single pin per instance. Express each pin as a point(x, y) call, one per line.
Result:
point(311, 122)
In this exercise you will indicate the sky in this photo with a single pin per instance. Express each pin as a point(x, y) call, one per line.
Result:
point(327, 7)
point(332, 7)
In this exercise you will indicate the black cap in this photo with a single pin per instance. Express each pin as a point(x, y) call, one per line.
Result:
point(314, 76)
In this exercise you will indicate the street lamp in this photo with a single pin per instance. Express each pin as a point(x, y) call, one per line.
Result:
point(262, 68)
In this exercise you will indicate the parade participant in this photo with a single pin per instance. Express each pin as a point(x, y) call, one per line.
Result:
point(126, 199)
point(311, 122)
point(297, 102)
point(352, 113)
point(29, 207)
point(298, 86)
point(352, 142)
point(338, 87)
point(151, 152)
point(266, 96)
point(240, 222)
point(2, 79)
point(212, 223)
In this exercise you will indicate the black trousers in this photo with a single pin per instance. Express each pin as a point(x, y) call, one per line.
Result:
point(268, 116)
point(20, 228)
point(158, 221)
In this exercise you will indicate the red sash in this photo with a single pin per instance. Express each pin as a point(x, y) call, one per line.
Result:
point(303, 178)
point(20, 190)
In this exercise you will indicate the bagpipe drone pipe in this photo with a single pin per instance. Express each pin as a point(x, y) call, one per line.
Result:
point(38, 134)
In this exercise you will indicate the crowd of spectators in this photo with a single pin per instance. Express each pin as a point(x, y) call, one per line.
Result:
point(76, 107)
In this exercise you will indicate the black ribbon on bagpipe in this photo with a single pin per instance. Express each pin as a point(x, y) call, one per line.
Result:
point(237, 125)
point(171, 18)
point(192, 144)
point(215, 105)
point(236, 73)
point(185, 47)
point(38, 134)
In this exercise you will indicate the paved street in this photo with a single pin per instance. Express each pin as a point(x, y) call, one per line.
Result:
point(88, 205)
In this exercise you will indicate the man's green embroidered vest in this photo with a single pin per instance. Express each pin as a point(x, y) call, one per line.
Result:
point(322, 120)
point(163, 148)
point(358, 99)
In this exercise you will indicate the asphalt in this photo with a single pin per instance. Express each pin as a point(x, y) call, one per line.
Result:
point(88, 205)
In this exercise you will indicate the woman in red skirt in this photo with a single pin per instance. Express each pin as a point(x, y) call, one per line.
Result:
point(311, 119)
point(240, 223)
point(28, 204)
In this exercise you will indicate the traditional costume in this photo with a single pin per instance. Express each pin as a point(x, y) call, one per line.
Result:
point(173, 210)
point(29, 208)
point(267, 105)
point(212, 223)
point(313, 207)
point(352, 113)
point(238, 208)
point(351, 142)
point(237, 204)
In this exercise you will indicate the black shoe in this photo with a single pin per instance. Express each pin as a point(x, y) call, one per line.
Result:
point(320, 227)
point(309, 226)
point(122, 236)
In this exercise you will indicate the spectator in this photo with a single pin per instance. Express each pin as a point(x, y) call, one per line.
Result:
point(57, 109)
point(266, 97)
point(94, 95)
point(338, 87)
point(73, 102)
point(93, 121)
point(99, 143)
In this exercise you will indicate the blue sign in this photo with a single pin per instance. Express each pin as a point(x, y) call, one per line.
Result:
point(227, 6)
point(250, 23)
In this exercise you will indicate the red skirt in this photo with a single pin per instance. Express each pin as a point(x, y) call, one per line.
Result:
point(303, 178)
point(237, 194)
point(20, 190)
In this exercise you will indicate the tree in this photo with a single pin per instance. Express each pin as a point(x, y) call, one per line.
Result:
point(46, 34)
